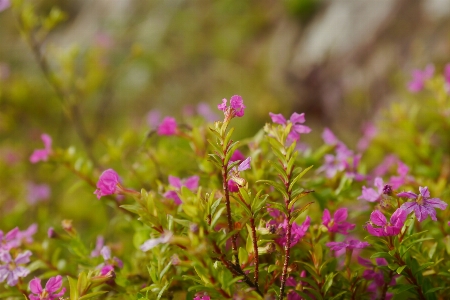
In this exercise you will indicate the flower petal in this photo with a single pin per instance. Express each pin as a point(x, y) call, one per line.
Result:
point(424, 192)
point(192, 182)
point(277, 118)
point(297, 118)
point(326, 218)
point(435, 202)
point(23, 257)
point(35, 286)
point(175, 182)
point(409, 195)
point(340, 215)
point(398, 218)
point(54, 284)
point(409, 206)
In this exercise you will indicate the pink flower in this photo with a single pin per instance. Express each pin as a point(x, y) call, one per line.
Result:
point(329, 138)
point(202, 296)
point(107, 184)
point(237, 155)
point(385, 228)
point(37, 192)
point(369, 132)
point(51, 289)
point(11, 271)
point(100, 242)
point(26, 236)
point(422, 205)
point(297, 232)
point(419, 77)
point(190, 182)
point(296, 120)
point(9, 240)
point(4, 4)
point(42, 154)
point(337, 223)
point(152, 243)
point(168, 126)
point(350, 244)
point(447, 76)
point(110, 262)
point(236, 108)
point(370, 194)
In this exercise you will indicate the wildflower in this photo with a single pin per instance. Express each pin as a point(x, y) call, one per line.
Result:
point(4, 4)
point(11, 271)
point(108, 184)
point(378, 278)
point(370, 194)
point(98, 246)
point(393, 227)
point(152, 243)
point(168, 126)
point(350, 244)
point(419, 77)
point(202, 296)
point(236, 156)
point(51, 233)
point(42, 154)
point(337, 223)
point(422, 205)
point(235, 174)
point(110, 261)
point(329, 138)
point(50, 292)
point(190, 182)
point(236, 108)
point(387, 189)
point(9, 240)
point(369, 132)
point(297, 232)
point(296, 120)
point(26, 236)
point(37, 192)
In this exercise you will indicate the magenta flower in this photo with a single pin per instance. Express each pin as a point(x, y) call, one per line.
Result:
point(11, 271)
point(237, 155)
point(108, 184)
point(447, 74)
point(190, 182)
point(350, 244)
point(37, 192)
point(9, 240)
point(337, 223)
point(50, 292)
point(110, 262)
point(297, 232)
point(236, 108)
point(419, 77)
point(296, 120)
point(202, 296)
point(42, 154)
point(152, 243)
point(329, 138)
point(99, 243)
point(344, 160)
point(422, 205)
point(235, 175)
point(370, 194)
point(4, 4)
point(168, 126)
point(393, 227)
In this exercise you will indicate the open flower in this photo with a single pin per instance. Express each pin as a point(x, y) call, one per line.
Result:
point(190, 182)
point(236, 180)
point(37, 192)
point(42, 154)
point(50, 292)
point(11, 271)
point(337, 223)
point(110, 262)
point(350, 244)
point(297, 232)
point(152, 243)
point(419, 77)
point(422, 205)
point(168, 126)
point(9, 240)
point(393, 227)
point(297, 127)
point(108, 184)
point(370, 194)
point(236, 108)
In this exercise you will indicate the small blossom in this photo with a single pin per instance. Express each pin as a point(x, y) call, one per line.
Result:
point(37, 192)
point(50, 292)
point(370, 194)
point(337, 223)
point(26, 236)
point(152, 243)
point(369, 132)
point(387, 189)
point(168, 126)
point(202, 296)
point(296, 120)
point(236, 108)
point(9, 240)
point(237, 155)
point(190, 182)
point(350, 244)
point(393, 227)
point(297, 232)
point(110, 262)
point(4, 4)
point(42, 154)
point(51, 233)
point(422, 205)
point(107, 183)
point(419, 77)
point(329, 138)
point(11, 271)
point(235, 175)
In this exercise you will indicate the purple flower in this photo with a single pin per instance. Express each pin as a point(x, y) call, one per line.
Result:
point(422, 205)
point(236, 108)
point(369, 132)
point(344, 160)
point(168, 126)
point(329, 138)
point(297, 232)
point(237, 155)
point(337, 223)
point(4, 4)
point(9, 240)
point(190, 182)
point(26, 236)
point(447, 74)
point(296, 120)
point(419, 77)
point(393, 227)
point(110, 261)
point(37, 192)
point(42, 154)
point(100, 242)
point(370, 194)
point(350, 244)
point(204, 110)
point(152, 243)
point(51, 289)
point(107, 183)
point(202, 296)
point(11, 271)
point(235, 175)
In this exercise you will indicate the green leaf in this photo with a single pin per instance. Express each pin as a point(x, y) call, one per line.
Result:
point(381, 254)
point(296, 213)
point(278, 186)
point(436, 289)
point(166, 268)
point(423, 267)
point(338, 295)
point(227, 139)
point(400, 288)
point(230, 152)
point(294, 181)
point(82, 283)
point(243, 255)
point(160, 294)
point(73, 288)
point(298, 197)
point(328, 282)
point(91, 295)
point(400, 269)
point(217, 216)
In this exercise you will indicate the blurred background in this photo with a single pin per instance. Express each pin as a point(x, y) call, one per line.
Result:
point(86, 72)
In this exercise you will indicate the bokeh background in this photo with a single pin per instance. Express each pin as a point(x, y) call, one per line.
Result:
point(120, 66)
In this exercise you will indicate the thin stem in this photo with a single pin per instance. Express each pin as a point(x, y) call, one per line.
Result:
point(255, 250)
point(287, 252)
point(410, 276)
point(386, 285)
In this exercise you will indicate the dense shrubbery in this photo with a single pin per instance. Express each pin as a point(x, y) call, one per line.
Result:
point(199, 215)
